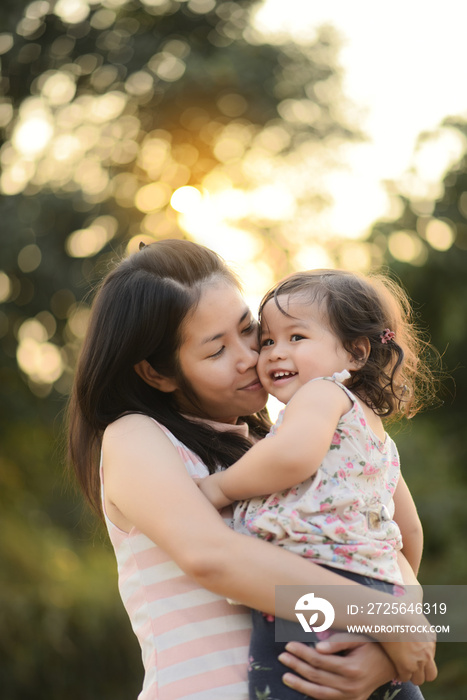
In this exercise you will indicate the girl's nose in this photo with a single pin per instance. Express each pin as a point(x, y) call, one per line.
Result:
point(277, 352)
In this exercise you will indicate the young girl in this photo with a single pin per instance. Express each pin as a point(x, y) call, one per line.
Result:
point(340, 351)
point(167, 369)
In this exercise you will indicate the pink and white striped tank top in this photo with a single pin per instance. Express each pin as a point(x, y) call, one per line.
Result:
point(194, 644)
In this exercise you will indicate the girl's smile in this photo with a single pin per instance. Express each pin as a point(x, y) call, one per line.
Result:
point(297, 346)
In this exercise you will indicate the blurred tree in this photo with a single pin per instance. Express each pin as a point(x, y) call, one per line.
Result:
point(426, 247)
point(108, 111)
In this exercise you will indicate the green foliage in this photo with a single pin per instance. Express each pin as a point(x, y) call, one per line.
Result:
point(63, 632)
point(433, 449)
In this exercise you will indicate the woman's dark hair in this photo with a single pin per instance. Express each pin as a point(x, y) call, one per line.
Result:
point(137, 314)
point(395, 379)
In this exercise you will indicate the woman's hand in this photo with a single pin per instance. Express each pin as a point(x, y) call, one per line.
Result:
point(325, 675)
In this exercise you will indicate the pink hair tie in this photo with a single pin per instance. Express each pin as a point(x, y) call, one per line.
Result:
point(387, 335)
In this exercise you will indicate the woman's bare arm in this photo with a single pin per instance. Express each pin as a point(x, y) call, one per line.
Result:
point(146, 481)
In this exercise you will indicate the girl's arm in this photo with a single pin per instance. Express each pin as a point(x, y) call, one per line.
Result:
point(406, 517)
point(289, 457)
point(148, 487)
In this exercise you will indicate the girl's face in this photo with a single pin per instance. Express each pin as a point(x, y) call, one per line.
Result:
point(298, 347)
point(218, 356)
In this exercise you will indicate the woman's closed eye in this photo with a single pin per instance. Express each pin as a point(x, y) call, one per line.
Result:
point(218, 353)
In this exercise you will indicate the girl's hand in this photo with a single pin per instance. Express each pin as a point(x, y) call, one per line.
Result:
point(325, 675)
point(414, 661)
point(211, 488)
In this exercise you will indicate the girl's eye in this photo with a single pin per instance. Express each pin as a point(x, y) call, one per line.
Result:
point(267, 342)
point(217, 354)
point(295, 337)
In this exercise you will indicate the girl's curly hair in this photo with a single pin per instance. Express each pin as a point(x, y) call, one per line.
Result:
point(396, 379)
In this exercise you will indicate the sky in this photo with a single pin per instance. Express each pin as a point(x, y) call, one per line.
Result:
point(404, 64)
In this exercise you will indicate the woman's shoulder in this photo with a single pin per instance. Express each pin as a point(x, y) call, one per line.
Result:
point(131, 426)
point(128, 421)
point(138, 432)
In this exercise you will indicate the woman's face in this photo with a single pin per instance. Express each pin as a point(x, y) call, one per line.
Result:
point(218, 356)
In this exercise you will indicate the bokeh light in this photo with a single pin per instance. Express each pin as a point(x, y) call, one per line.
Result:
point(109, 131)
point(5, 287)
point(86, 242)
point(33, 132)
point(439, 234)
point(186, 199)
point(407, 246)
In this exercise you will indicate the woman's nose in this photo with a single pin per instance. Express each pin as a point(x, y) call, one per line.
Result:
point(248, 356)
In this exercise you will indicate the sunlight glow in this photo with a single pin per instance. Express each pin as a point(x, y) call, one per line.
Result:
point(186, 199)
point(312, 256)
point(32, 135)
point(232, 243)
point(399, 93)
point(438, 152)
point(272, 202)
point(256, 277)
point(231, 203)
point(278, 198)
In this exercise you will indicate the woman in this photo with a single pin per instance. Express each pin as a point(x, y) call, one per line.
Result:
point(167, 370)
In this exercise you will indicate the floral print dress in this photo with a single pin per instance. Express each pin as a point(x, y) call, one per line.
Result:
point(342, 515)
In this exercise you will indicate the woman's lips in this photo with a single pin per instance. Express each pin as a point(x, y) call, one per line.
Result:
point(255, 385)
